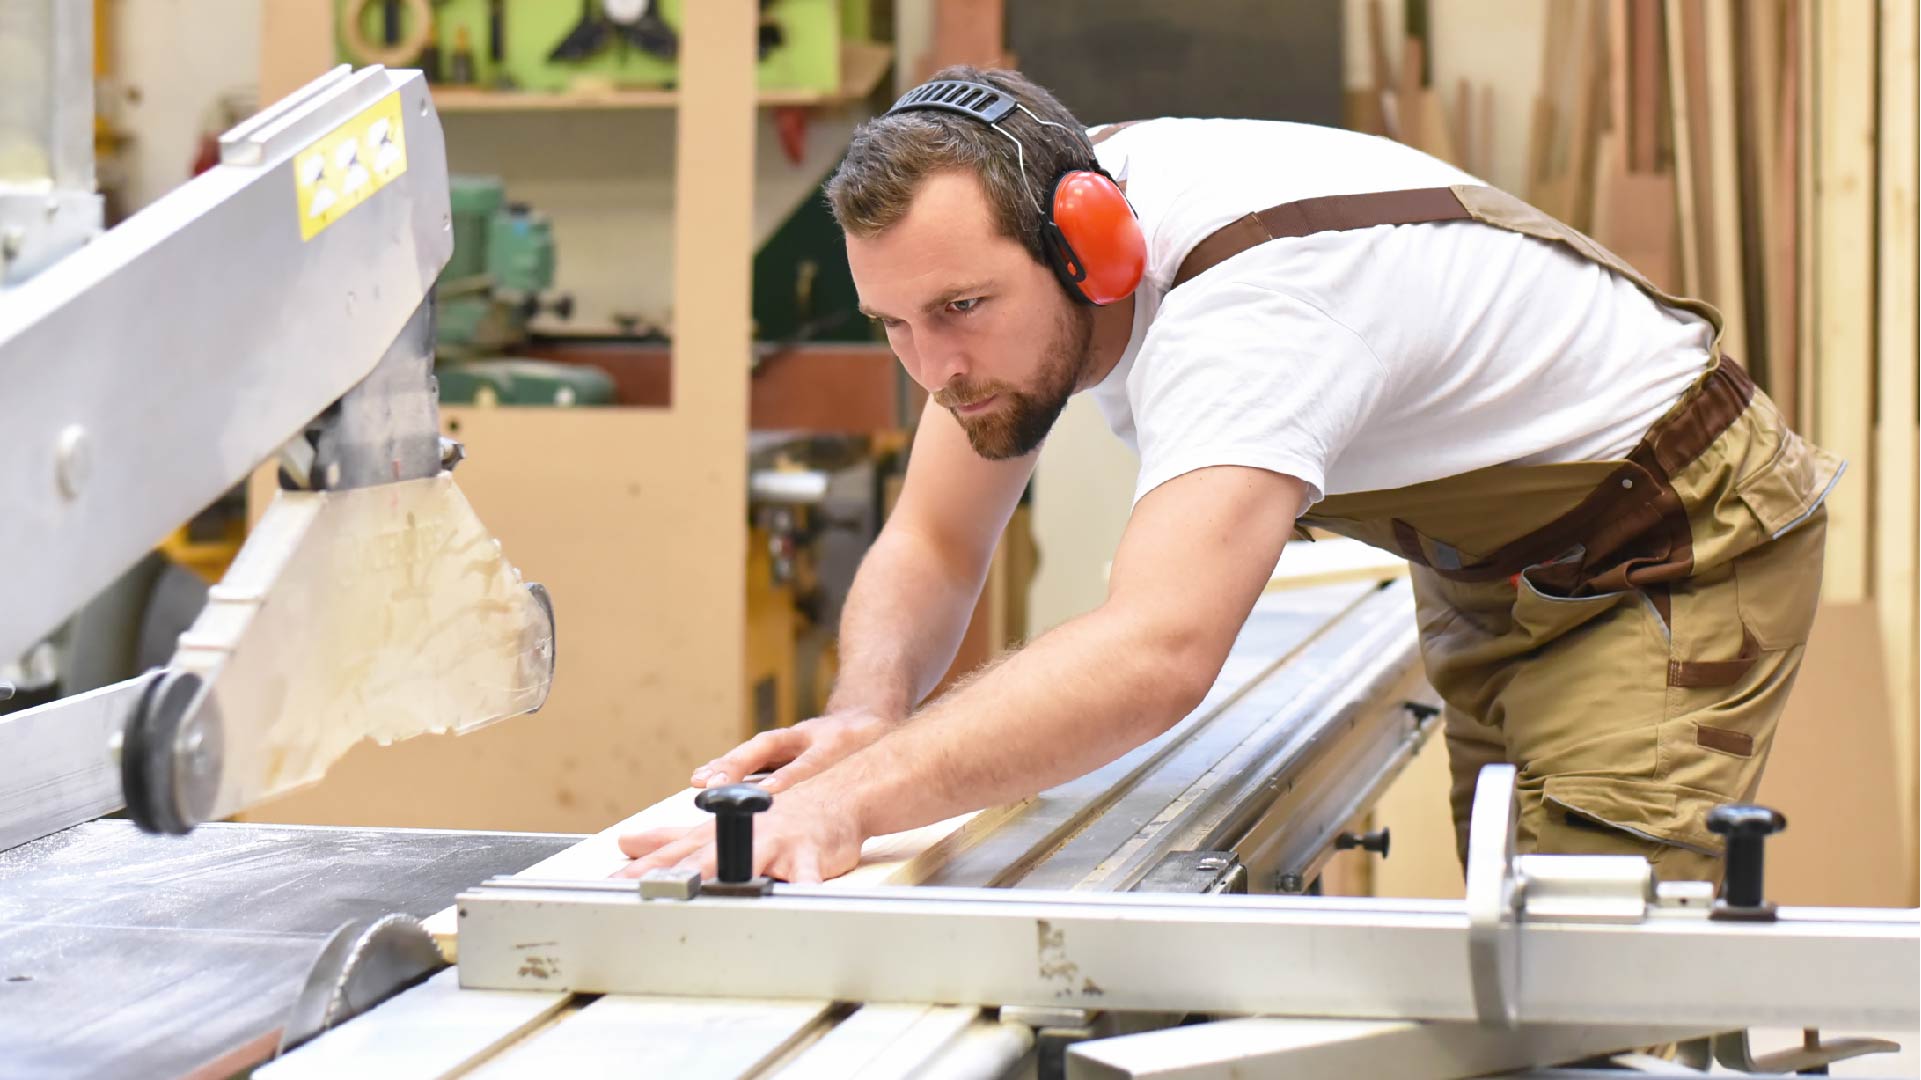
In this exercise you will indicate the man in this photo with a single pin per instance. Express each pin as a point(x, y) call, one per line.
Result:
point(1616, 542)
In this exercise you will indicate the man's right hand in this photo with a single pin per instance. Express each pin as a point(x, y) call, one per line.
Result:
point(802, 751)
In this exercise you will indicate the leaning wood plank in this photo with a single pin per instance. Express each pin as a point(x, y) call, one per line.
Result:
point(1644, 119)
point(901, 858)
point(1633, 209)
point(1844, 280)
point(1784, 224)
point(1724, 179)
point(1757, 73)
point(1804, 216)
point(1686, 200)
point(1897, 448)
point(627, 1035)
point(434, 1029)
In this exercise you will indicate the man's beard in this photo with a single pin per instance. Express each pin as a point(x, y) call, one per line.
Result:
point(1021, 419)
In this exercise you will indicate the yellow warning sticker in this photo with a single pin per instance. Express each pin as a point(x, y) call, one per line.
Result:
point(344, 167)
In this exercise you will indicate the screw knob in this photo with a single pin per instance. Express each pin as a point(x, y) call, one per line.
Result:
point(1747, 828)
point(734, 807)
point(1377, 842)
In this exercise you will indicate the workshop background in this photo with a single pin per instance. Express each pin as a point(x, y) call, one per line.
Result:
point(677, 422)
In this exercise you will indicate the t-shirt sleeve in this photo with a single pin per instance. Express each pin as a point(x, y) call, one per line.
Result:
point(1238, 374)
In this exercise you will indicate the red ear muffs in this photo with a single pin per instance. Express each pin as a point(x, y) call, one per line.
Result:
point(1094, 239)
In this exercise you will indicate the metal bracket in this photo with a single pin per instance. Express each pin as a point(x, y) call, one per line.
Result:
point(1493, 932)
point(1731, 1049)
point(1195, 872)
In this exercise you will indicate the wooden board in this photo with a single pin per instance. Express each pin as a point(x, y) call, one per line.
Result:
point(1897, 450)
point(296, 45)
point(1832, 773)
point(1757, 64)
point(1687, 182)
point(906, 858)
point(1804, 219)
point(1633, 206)
point(434, 1029)
point(1723, 178)
point(1785, 237)
point(629, 1035)
point(1844, 235)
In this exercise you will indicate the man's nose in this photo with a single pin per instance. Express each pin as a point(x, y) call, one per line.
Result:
point(941, 365)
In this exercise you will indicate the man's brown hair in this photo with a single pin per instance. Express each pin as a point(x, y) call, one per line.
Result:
point(891, 154)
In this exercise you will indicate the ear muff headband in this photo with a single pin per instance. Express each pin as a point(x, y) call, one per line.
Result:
point(1092, 239)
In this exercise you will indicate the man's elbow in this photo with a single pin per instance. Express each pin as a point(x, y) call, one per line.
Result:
point(1181, 666)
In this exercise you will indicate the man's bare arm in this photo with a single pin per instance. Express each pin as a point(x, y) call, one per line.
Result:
point(1195, 557)
point(908, 608)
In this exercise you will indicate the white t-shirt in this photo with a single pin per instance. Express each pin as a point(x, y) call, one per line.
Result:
point(1375, 358)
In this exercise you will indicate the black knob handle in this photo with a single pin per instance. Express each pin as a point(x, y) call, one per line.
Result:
point(1375, 841)
point(734, 807)
point(1747, 828)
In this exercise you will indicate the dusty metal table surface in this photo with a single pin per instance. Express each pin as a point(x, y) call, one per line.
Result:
point(125, 954)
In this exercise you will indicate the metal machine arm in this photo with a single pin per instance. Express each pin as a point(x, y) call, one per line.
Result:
point(281, 301)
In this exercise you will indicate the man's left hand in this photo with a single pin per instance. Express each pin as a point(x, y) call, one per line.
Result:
point(804, 838)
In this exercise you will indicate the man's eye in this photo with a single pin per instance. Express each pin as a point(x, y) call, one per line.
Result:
point(962, 307)
point(888, 324)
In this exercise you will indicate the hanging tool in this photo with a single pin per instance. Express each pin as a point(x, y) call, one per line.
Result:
point(637, 22)
point(497, 45)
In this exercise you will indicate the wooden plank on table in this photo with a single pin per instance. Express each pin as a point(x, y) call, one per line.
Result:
point(1844, 236)
point(1897, 443)
point(1725, 255)
point(435, 1029)
point(882, 1041)
point(631, 1035)
point(898, 859)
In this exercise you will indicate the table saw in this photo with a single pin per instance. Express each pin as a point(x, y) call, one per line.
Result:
point(279, 307)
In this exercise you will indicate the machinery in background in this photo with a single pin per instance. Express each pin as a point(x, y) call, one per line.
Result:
point(497, 279)
point(497, 282)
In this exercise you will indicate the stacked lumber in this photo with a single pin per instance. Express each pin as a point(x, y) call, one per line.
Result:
point(1403, 103)
point(1761, 155)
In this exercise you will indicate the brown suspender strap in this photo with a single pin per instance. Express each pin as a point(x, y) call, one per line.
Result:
point(1328, 213)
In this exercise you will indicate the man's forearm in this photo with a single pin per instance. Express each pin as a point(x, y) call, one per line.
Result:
point(901, 626)
point(1073, 700)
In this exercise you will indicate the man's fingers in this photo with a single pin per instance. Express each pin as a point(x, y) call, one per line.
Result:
point(779, 745)
point(636, 844)
point(793, 772)
point(803, 865)
point(665, 855)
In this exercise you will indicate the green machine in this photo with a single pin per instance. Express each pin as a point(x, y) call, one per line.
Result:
point(495, 283)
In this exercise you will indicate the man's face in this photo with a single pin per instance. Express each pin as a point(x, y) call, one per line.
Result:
point(976, 321)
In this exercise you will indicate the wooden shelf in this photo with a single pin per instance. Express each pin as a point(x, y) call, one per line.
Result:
point(862, 65)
